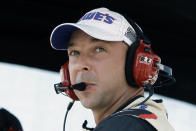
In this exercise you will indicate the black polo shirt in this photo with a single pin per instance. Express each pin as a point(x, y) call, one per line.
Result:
point(125, 121)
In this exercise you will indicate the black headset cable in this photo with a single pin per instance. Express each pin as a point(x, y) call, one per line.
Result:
point(68, 109)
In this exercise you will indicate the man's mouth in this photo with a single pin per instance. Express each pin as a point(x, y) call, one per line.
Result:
point(89, 85)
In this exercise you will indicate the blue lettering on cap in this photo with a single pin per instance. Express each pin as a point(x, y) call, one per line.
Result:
point(90, 15)
point(98, 16)
point(109, 19)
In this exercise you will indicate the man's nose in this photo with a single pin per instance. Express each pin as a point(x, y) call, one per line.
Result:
point(84, 64)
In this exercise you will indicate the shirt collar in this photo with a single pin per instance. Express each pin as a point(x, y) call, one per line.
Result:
point(127, 103)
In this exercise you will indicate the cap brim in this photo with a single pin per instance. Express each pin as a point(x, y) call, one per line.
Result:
point(61, 34)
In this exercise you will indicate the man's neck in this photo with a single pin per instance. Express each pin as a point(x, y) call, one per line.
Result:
point(102, 113)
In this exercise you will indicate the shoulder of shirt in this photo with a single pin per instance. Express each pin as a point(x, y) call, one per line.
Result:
point(124, 120)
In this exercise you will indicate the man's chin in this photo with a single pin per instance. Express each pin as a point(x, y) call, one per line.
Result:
point(89, 104)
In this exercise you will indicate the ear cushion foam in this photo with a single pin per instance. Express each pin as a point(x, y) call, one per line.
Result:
point(129, 64)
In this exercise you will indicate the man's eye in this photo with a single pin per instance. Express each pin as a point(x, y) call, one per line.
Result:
point(74, 53)
point(100, 49)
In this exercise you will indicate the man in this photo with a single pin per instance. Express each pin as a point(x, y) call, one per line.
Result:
point(99, 47)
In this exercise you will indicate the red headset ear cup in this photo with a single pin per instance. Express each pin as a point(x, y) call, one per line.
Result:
point(144, 69)
point(140, 65)
point(65, 78)
point(129, 64)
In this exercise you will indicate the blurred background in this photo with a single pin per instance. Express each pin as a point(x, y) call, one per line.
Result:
point(26, 25)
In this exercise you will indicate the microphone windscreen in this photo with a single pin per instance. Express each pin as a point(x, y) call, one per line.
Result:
point(80, 86)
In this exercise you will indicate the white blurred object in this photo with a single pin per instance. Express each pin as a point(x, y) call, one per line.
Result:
point(29, 94)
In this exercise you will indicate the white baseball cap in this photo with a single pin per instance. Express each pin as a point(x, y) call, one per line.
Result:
point(99, 23)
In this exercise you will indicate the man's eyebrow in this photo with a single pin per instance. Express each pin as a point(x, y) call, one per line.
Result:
point(70, 44)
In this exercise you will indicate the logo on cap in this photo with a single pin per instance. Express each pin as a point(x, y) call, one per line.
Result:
point(98, 16)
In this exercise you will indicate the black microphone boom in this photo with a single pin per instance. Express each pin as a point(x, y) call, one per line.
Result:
point(59, 88)
point(80, 86)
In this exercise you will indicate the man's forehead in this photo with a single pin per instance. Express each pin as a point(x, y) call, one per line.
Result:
point(73, 40)
point(91, 41)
